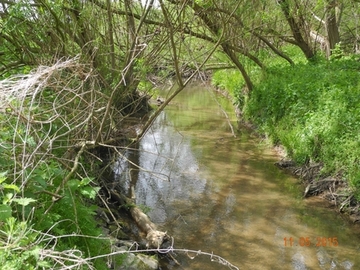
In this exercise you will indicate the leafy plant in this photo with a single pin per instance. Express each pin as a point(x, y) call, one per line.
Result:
point(47, 216)
point(18, 249)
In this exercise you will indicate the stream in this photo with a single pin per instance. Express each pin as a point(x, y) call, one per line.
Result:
point(222, 194)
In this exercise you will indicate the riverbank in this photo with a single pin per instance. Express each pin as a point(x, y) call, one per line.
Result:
point(334, 189)
point(311, 111)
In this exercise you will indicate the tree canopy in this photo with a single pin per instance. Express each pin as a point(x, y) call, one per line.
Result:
point(125, 41)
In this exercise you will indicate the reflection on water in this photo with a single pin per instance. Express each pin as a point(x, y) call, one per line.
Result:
point(218, 193)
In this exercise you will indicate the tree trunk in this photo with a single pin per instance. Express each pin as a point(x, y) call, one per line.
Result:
point(298, 29)
point(332, 25)
point(237, 63)
point(125, 96)
point(215, 28)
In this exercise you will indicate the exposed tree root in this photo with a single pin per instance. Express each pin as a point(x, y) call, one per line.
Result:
point(332, 188)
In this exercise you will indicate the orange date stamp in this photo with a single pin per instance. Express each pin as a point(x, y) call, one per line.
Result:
point(308, 242)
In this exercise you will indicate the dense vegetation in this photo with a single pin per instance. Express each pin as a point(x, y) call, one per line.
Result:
point(311, 108)
point(73, 72)
point(46, 218)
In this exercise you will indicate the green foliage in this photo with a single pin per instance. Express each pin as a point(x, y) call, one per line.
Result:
point(270, 59)
point(313, 110)
point(17, 248)
point(228, 79)
point(71, 216)
point(203, 3)
point(337, 52)
point(36, 177)
point(8, 193)
point(233, 82)
point(74, 217)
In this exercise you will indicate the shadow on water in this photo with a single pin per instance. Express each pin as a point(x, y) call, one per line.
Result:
point(218, 193)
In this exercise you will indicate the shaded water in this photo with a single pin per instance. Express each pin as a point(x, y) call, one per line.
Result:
point(218, 193)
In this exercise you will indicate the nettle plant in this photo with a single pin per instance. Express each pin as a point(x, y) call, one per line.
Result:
point(67, 231)
point(8, 196)
point(17, 240)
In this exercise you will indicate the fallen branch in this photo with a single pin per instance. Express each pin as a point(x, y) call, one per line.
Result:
point(346, 202)
point(154, 237)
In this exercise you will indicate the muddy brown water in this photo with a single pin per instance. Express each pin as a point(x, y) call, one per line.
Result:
point(222, 194)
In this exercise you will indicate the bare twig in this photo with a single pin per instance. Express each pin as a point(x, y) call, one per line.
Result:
point(192, 254)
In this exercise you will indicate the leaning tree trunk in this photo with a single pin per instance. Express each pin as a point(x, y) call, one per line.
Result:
point(215, 28)
point(298, 28)
point(237, 63)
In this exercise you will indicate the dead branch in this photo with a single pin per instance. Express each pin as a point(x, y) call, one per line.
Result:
point(154, 237)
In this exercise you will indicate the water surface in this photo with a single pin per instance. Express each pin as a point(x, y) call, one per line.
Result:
point(219, 193)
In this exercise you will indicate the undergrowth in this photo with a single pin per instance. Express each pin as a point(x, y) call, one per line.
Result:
point(47, 197)
point(312, 109)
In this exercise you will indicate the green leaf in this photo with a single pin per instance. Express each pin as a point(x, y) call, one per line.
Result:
point(73, 184)
point(7, 198)
point(14, 187)
point(34, 252)
point(40, 180)
point(3, 176)
point(90, 192)
point(85, 181)
point(5, 212)
point(43, 264)
point(24, 201)
point(31, 141)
